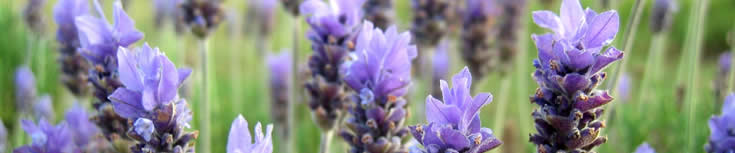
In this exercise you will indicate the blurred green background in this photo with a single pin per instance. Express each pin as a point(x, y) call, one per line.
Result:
point(240, 76)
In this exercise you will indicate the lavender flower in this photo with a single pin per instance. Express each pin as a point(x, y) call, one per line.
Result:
point(380, 12)
point(280, 72)
point(201, 16)
point(722, 139)
point(430, 20)
point(723, 74)
point(476, 35)
point(47, 138)
point(454, 124)
point(43, 108)
point(508, 32)
point(83, 130)
point(568, 70)
point(332, 38)
point(623, 88)
point(440, 69)
point(3, 136)
point(381, 75)
point(264, 12)
point(662, 14)
point(99, 41)
point(150, 98)
point(25, 89)
point(645, 148)
point(240, 141)
point(33, 16)
point(74, 67)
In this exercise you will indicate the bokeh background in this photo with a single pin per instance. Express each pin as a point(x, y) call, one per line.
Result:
point(240, 86)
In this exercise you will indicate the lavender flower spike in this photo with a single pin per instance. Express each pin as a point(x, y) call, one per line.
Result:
point(721, 139)
point(477, 23)
point(43, 108)
point(332, 37)
point(150, 98)
point(240, 140)
point(380, 12)
point(381, 74)
point(33, 16)
point(440, 67)
point(25, 89)
point(662, 14)
point(201, 16)
point(645, 148)
point(280, 68)
point(47, 138)
point(568, 70)
point(721, 83)
point(83, 130)
point(454, 124)
point(3, 136)
point(74, 67)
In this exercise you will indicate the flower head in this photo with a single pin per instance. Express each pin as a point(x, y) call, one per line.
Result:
point(240, 140)
point(73, 65)
point(662, 14)
point(80, 126)
point(383, 64)
point(721, 139)
point(623, 89)
point(100, 39)
point(476, 35)
point(645, 148)
point(150, 96)
point(47, 138)
point(379, 12)
point(202, 16)
point(25, 88)
point(454, 124)
point(337, 19)
point(568, 70)
point(44, 108)
point(33, 16)
point(264, 11)
point(280, 76)
point(430, 20)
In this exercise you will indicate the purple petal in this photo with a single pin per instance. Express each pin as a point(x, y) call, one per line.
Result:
point(544, 44)
point(575, 82)
point(438, 112)
point(582, 59)
point(645, 148)
point(239, 139)
point(169, 83)
point(130, 76)
point(600, 98)
point(125, 26)
point(183, 74)
point(602, 29)
point(92, 31)
point(473, 109)
point(606, 58)
point(572, 17)
point(548, 20)
point(313, 7)
point(127, 103)
point(454, 139)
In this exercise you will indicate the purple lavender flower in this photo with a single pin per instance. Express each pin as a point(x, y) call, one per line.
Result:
point(33, 16)
point(454, 124)
point(645, 148)
point(508, 31)
point(722, 139)
point(381, 74)
point(201, 16)
point(264, 12)
point(662, 14)
point(74, 67)
point(47, 138)
point(43, 108)
point(80, 126)
point(723, 74)
point(3, 136)
point(623, 88)
point(477, 23)
point(430, 20)
point(440, 67)
point(332, 37)
point(280, 75)
point(568, 70)
point(150, 99)
point(25, 89)
point(379, 12)
point(240, 140)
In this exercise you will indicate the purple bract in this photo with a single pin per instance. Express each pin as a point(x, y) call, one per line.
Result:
point(240, 140)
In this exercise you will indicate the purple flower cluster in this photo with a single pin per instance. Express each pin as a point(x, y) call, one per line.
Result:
point(201, 16)
point(722, 138)
point(381, 75)
point(25, 89)
point(568, 70)
point(332, 37)
point(645, 148)
point(43, 108)
point(380, 12)
point(477, 23)
point(74, 67)
point(99, 42)
point(71, 136)
point(508, 33)
point(454, 124)
point(280, 75)
point(430, 20)
point(240, 140)
point(723, 74)
point(150, 99)
point(662, 14)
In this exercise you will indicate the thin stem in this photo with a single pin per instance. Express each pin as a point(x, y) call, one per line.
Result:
point(500, 113)
point(326, 141)
point(630, 32)
point(731, 79)
point(521, 73)
point(294, 94)
point(652, 64)
point(694, 47)
point(205, 114)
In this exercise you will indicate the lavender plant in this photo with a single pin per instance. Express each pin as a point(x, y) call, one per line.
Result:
point(509, 29)
point(280, 75)
point(721, 83)
point(721, 139)
point(477, 23)
point(33, 16)
point(381, 75)
point(379, 12)
point(99, 41)
point(240, 140)
point(440, 67)
point(332, 37)
point(75, 135)
point(74, 67)
point(25, 89)
point(568, 70)
point(454, 125)
point(645, 148)
point(149, 99)
point(662, 14)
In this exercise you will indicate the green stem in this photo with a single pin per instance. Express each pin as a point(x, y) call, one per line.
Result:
point(651, 72)
point(500, 110)
point(205, 112)
point(522, 76)
point(326, 140)
point(731, 79)
point(295, 84)
point(694, 44)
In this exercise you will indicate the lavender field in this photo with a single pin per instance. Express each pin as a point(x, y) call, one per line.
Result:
point(367, 76)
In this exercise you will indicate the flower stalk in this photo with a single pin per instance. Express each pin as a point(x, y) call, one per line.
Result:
point(693, 46)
